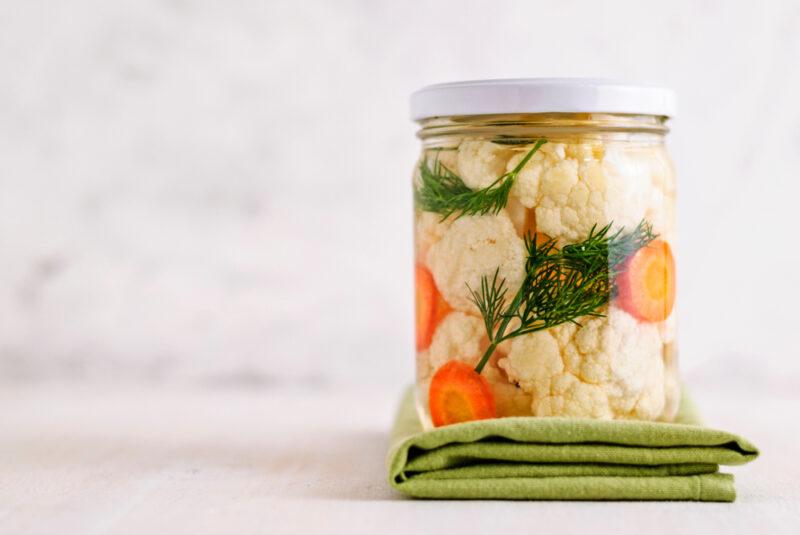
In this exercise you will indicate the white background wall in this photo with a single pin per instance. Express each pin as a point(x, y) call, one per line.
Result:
point(217, 191)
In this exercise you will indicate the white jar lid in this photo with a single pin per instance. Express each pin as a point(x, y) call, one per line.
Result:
point(540, 95)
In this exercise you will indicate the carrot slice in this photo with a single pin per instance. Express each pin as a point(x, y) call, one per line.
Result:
point(646, 284)
point(431, 306)
point(459, 394)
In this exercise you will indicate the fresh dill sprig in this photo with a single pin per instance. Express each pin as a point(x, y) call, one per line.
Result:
point(601, 252)
point(490, 301)
point(443, 192)
point(560, 285)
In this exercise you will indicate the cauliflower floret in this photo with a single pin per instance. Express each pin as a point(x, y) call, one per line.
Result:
point(481, 163)
point(473, 247)
point(533, 362)
point(526, 186)
point(627, 186)
point(509, 399)
point(586, 186)
point(661, 204)
point(458, 337)
point(569, 201)
point(611, 367)
point(428, 229)
point(625, 357)
point(570, 397)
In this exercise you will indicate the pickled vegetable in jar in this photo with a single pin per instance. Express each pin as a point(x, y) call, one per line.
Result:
point(544, 226)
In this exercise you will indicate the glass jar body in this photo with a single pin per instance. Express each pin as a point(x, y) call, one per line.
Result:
point(545, 274)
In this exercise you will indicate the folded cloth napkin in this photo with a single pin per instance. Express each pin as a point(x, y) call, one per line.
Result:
point(525, 458)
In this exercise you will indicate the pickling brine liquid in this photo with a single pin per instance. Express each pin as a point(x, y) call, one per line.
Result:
point(544, 268)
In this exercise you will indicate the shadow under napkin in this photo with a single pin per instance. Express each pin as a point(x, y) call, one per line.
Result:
point(527, 458)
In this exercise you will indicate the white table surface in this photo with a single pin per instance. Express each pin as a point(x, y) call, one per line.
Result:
point(216, 459)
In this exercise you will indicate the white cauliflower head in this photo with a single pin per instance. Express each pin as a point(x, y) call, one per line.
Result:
point(473, 247)
point(428, 229)
point(481, 163)
point(457, 337)
point(509, 399)
point(611, 367)
point(576, 187)
point(573, 398)
point(526, 186)
point(661, 203)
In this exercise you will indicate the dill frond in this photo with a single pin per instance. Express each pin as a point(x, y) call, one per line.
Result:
point(490, 300)
point(560, 285)
point(443, 192)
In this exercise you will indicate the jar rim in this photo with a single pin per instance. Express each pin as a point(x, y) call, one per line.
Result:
point(541, 95)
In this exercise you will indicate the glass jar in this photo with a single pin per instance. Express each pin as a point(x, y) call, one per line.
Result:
point(544, 229)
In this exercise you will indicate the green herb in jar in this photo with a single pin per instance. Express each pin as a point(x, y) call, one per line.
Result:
point(560, 285)
point(443, 192)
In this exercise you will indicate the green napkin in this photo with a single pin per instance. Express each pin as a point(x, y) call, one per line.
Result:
point(526, 458)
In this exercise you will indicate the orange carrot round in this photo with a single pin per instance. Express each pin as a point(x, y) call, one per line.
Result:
point(431, 306)
point(646, 285)
point(459, 394)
